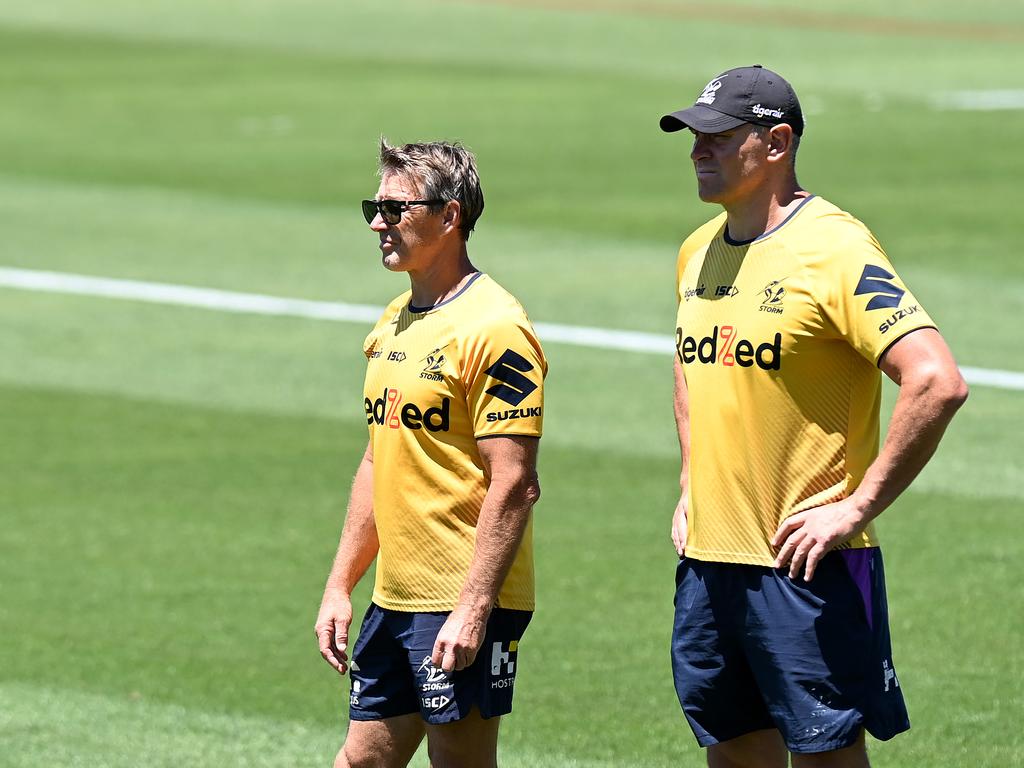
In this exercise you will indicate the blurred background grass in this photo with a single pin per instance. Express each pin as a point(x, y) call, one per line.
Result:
point(175, 479)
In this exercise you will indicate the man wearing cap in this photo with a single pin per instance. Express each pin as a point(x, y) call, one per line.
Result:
point(454, 401)
point(788, 308)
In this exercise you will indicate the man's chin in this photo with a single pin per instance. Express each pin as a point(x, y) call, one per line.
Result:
point(708, 195)
point(393, 263)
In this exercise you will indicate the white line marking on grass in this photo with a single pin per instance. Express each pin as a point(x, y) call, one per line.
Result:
point(262, 304)
point(979, 101)
point(186, 296)
point(605, 338)
point(987, 377)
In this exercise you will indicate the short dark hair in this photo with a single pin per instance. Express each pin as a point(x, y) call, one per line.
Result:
point(447, 170)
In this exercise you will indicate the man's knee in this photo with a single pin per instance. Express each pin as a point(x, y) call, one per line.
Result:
point(387, 743)
point(468, 743)
point(453, 755)
point(356, 756)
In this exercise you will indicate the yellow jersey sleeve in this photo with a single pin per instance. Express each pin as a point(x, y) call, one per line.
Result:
point(503, 370)
point(863, 298)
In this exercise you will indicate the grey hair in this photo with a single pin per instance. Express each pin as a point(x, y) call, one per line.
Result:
point(447, 171)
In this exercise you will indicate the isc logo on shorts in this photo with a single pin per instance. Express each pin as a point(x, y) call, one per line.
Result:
point(432, 681)
point(435, 702)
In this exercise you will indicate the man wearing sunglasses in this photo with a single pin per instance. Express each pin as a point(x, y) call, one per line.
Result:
point(788, 308)
point(443, 496)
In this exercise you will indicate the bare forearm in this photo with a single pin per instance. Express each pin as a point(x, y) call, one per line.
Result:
point(510, 463)
point(923, 410)
point(500, 527)
point(931, 390)
point(359, 544)
point(681, 409)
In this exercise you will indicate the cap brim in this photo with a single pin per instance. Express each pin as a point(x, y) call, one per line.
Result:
point(700, 118)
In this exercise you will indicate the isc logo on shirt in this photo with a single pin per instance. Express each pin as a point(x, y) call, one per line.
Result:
point(723, 346)
point(387, 410)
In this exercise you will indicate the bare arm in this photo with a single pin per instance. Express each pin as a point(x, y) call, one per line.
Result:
point(513, 489)
point(681, 406)
point(356, 550)
point(931, 391)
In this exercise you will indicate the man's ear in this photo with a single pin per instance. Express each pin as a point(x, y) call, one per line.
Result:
point(780, 142)
point(451, 216)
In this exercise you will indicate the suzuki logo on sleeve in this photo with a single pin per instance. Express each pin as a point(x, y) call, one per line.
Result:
point(875, 280)
point(509, 370)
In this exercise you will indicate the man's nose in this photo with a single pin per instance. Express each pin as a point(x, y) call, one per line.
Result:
point(700, 148)
point(377, 224)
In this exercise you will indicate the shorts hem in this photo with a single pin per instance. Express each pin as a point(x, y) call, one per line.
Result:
point(370, 716)
point(826, 746)
point(846, 741)
point(709, 740)
point(464, 715)
point(881, 735)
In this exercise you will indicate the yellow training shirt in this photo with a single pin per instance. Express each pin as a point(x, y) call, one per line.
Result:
point(437, 379)
point(779, 339)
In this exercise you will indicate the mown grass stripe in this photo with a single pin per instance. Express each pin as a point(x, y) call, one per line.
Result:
point(263, 304)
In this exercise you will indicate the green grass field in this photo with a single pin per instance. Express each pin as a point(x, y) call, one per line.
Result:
point(174, 479)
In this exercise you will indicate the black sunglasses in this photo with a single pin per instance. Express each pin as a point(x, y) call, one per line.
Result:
point(391, 210)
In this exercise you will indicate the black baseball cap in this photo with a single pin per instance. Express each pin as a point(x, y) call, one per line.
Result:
point(742, 95)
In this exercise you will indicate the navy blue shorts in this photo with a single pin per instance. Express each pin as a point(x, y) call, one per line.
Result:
point(754, 649)
point(392, 674)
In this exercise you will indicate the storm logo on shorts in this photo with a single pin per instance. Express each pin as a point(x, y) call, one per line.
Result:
point(724, 347)
point(434, 674)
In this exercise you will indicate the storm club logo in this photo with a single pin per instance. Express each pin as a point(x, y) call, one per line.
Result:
point(432, 365)
point(773, 293)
